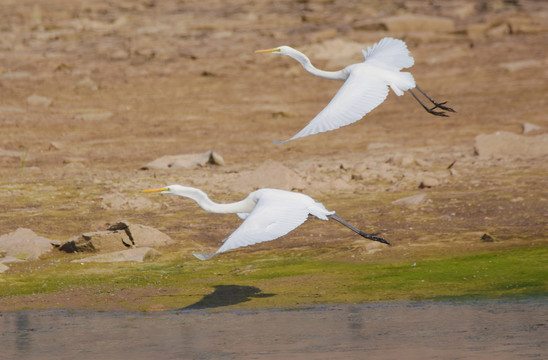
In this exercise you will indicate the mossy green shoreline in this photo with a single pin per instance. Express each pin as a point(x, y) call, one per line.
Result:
point(264, 280)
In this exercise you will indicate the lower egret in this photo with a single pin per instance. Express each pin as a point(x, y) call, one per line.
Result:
point(365, 85)
point(267, 213)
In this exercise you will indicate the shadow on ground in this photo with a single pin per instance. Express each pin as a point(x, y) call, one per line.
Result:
point(225, 295)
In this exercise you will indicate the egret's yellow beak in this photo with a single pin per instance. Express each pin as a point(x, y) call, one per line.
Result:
point(266, 51)
point(155, 190)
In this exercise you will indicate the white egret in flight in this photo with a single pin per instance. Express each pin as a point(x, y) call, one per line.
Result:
point(267, 213)
point(365, 85)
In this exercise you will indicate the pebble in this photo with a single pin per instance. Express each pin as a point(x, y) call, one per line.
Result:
point(39, 101)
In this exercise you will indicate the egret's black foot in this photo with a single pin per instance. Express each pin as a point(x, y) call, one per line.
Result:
point(442, 106)
point(437, 113)
point(374, 237)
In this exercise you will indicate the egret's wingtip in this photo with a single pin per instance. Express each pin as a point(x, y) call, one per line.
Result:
point(204, 256)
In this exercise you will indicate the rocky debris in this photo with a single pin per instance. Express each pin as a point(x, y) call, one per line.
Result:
point(117, 237)
point(429, 182)
point(3, 268)
point(138, 254)
point(87, 84)
point(269, 174)
point(24, 244)
point(10, 260)
point(94, 116)
point(488, 238)
point(523, 65)
point(185, 161)
point(503, 144)
point(528, 128)
point(408, 23)
point(39, 101)
point(11, 109)
point(413, 200)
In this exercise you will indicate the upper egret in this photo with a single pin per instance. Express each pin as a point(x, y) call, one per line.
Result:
point(268, 214)
point(365, 85)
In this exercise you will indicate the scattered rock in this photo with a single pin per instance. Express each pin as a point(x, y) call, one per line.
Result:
point(11, 109)
point(523, 64)
point(24, 244)
point(270, 174)
point(86, 84)
point(488, 238)
point(56, 145)
point(15, 75)
point(39, 101)
point(404, 160)
point(498, 31)
point(94, 116)
point(10, 260)
point(185, 161)
point(137, 254)
point(409, 23)
point(117, 237)
point(429, 182)
point(528, 128)
point(98, 241)
point(142, 235)
point(410, 200)
point(10, 153)
point(503, 144)
point(3, 268)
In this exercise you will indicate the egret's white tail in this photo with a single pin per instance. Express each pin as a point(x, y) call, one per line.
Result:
point(403, 82)
point(389, 53)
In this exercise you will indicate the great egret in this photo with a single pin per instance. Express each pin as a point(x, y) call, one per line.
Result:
point(365, 85)
point(267, 213)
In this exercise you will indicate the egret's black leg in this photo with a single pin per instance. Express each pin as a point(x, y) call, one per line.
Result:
point(437, 105)
point(431, 111)
point(358, 231)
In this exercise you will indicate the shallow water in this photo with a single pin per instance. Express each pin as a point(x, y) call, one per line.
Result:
point(479, 330)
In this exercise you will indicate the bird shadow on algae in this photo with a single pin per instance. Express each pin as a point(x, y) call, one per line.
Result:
point(225, 295)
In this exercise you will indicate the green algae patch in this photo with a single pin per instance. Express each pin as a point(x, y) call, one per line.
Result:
point(289, 280)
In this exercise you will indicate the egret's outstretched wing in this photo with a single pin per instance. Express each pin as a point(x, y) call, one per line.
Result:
point(390, 54)
point(271, 218)
point(361, 92)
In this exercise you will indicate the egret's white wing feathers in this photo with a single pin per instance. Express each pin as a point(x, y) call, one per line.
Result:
point(390, 54)
point(361, 92)
point(271, 218)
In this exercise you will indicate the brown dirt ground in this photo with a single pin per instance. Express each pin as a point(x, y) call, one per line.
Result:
point(131, 81)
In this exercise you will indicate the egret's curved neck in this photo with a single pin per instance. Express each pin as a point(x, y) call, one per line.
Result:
point(244, 206)
point(340, 75)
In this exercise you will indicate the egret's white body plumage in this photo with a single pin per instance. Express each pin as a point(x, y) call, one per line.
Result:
point(365, 84)
point(268, 214)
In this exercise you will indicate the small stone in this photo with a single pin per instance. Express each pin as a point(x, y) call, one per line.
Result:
point(529, 128)
point(94, 116)
point(503, 144)
point(429, 182)
point(87, 83)
point(488, 238)
point(185, 161)
point(39, 101)
point(3, 268)
point(11, 109)
point(24, 244)
point(410, 23)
